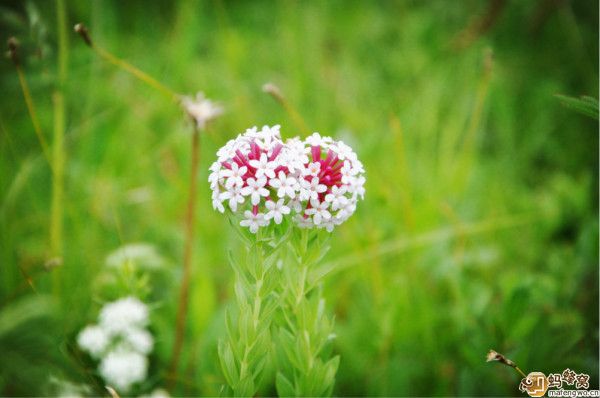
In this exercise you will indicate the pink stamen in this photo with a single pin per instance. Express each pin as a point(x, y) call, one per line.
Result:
point(276, 151)
point(281, 168)
point(337, 166)
point(329, 160)
point(334, 160)
point(255, 209)
point(255, 150)
point(316, 152)
point(241, 157)
point(238, 162)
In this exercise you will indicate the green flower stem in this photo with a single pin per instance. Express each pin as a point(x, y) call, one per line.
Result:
point(245, 352)
point(82, 30)
point(184, 293)
point(305, 365)
point(58, 150)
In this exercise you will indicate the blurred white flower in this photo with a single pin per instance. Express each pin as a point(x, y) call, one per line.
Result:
point(139, 195)
point(61, 387)
point(157, 393)
point(201, 109)
point(139, 340)
point(143, 255)
point(94, 340)
point(122, 315)
point(121, 369)
point(120, 342)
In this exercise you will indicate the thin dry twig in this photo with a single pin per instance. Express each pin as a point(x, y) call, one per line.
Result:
point(188, 254)
point(13, 54)
point(277, 94)
point(113, 393)
point(496, 356)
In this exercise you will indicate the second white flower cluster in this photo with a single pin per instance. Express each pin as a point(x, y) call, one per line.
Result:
point(317, 181)
point(121, 342)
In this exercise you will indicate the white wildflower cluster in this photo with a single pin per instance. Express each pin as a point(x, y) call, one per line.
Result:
point(317, 182)
point(120, 342)
point(201, 109)
point(141, 254)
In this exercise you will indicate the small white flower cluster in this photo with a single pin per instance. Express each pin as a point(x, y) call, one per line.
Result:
point(201, 109)
point(120, 341)
point(317, 181)
point(143, 255)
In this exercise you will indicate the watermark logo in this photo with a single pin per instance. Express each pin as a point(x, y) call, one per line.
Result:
point(535, 384)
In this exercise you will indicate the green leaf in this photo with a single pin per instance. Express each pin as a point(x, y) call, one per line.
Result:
point(283, 385)
point(234, 264)
point(240, 293)
point(25, 309)
point(240, 232)
point(246, 331)
point(259, 366)
point(227, 360)
point(245, 387)
point(225, 391)
point(313, 382)
point(261, 346)
point(585, 105)
point(331, 368)
point(15, 188)
point(288, 343)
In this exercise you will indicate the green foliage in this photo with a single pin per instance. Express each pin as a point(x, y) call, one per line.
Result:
point(304, 329)
point(585, 105)
point(28, 330)
point(245, 352)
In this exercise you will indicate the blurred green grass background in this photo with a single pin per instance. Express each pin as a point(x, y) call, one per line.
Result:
point(480, 225)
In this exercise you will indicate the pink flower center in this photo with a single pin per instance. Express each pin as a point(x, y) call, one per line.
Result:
point(330, 174)
point(255, 153)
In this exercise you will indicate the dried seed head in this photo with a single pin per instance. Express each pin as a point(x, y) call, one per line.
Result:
point(273, 91)
point(492, 356)
point(82, 30)
point(53, 263)
point(13, 46)
point(201, 109)
point(495, 356)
